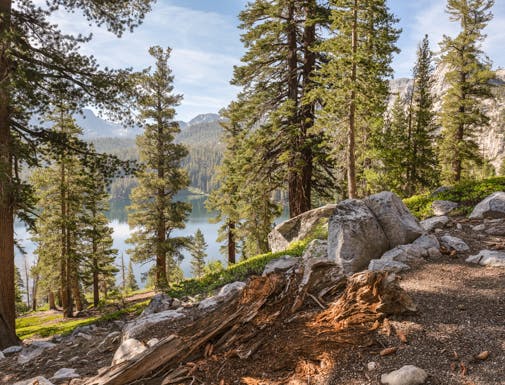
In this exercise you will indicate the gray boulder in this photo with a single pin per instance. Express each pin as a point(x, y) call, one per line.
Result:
point(491, 258)
point(387, 265)
point(399, 225)
point(316, 249)
point(454, 243)
point(433, 223)
point(406, 375)
point(39, 380)
point(443, 207)
point(355, 236)
point(298, 228)
point(128, 349)
point(491, 207)
point(159, 303)
point(280, 264)
point(33, 351)
point(427, 242)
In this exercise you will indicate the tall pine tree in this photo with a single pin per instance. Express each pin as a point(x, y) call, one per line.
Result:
point(354, 79)
point(154, 213)
point(198, 254)
point(468, 76)
point(37, 61)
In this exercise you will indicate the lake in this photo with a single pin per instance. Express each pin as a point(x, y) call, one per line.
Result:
point(198, 219)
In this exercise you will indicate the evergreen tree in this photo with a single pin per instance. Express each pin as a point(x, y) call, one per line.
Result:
point(273, 108)
point(390, 149)
point(154, 213)
point(354, 79)
point(99, 253)
point(131, 283)
point(198, 253)
point(19, 286)
point(37, 61)
point(468, 76)
point(422, 165)
point(59, 189)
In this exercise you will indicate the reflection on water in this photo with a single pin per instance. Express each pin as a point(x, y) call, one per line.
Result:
point(198, 219)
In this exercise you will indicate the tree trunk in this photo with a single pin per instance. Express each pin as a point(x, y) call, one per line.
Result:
point(52, 303)
point(7, 287)
point(34, 292)
point(351, 141)
point(161, 255)
point(232, 246)
point(27, 281)
point(96, 291)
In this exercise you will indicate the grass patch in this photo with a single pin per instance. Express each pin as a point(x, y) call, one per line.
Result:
point(467, 194)
point(237, 272)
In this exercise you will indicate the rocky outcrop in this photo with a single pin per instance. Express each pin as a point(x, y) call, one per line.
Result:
point(399, 225)
point(298, 228)
point(491, 207)
point(491, 139)
point(227, 293)
point(362, 230)
point(406, 375)
point(161, 302)
point(280, 265)
point(140, 325)
point(355, 236)
point(491, 258)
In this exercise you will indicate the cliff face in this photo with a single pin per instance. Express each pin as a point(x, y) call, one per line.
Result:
point(491, 139)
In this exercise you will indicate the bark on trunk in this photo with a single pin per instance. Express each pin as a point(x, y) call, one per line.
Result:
point(52, 303)
point(161, 255)
point(232, 246)
point(96, 291)
point(7, 288)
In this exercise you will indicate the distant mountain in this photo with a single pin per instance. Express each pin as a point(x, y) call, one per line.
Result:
point(204, 118)
point(96, 127)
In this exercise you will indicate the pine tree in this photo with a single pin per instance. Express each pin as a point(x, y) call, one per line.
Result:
point(37, 61)
point(154, 213)
point(354, 80)
point(60, 197)
point(131, 283)
point(422, 165)
point(273, 108)
point(198, 254)
point(99, 253)
point(468, 76)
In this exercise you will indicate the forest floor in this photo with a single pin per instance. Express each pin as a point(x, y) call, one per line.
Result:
point(461, 313)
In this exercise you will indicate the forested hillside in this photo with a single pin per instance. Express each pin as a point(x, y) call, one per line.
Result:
point(202, 135)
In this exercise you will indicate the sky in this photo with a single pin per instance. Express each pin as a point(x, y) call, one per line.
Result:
point(205, 40)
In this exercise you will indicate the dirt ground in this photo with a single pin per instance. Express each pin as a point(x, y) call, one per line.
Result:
point(461, 313)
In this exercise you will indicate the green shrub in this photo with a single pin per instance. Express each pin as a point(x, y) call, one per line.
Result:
point(467, 194)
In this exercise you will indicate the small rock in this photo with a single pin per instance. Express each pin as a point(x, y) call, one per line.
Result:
point(82, 329)
point(434, 252)
point(152, 342)
point(491, 258)
point(482, 355)
point(226, 293)
point(85, 336)
point(461, 307)
point(443, 207)
point(459, 226)
point(407, 375)
point(480, 227)
point(371, 366)
point(39, 380)
point(65, 374)
point(427, 242)
point(491, 207)
point(454, 243)
point(128, 350)
point(1, 356)
point(434, 223)
point(12, 350)
point(159, 303)
point(280, 264)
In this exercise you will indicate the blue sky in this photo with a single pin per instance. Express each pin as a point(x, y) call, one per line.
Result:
point(206, 43)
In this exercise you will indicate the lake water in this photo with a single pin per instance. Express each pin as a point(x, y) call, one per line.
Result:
point(198, 219)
